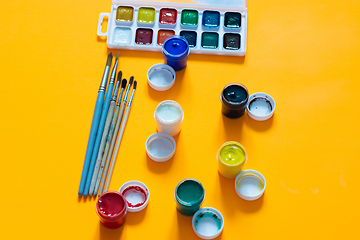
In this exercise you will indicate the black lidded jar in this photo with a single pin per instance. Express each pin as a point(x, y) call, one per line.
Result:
point(234, 98)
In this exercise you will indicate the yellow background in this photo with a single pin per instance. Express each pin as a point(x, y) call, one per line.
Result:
point(305, 54)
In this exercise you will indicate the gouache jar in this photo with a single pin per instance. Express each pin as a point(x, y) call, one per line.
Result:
point(175, 51)
point(111, 208)
point(234, 98)
point(189, 195)
point(231, 157)
point(168, 117)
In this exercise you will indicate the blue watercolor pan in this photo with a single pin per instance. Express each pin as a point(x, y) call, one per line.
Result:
point(211, 19)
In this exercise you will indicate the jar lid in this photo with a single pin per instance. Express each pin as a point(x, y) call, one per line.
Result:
point(160, 147)
point(250, 185)
point(208, 223)
point(161, 77)
point(261, 106)
point(136, 195)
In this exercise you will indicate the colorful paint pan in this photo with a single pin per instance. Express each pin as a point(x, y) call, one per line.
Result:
point(125, 14)
point(211, 19)
point(231, 41)
point(250, 185)
point(168, 16)
point(189, 17)
point(231, 158)
point(122, 35)
point(144, 36)
point(190, 36)
point(146, 15)
point(261, 106)
point(208, 223)
point(217, 27)
point(136, 195)
point(232, 20)
point(210, 40)
point(164, 34)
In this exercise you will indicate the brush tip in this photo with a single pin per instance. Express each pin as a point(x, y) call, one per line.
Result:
point(131, 80)
point(119, 76)
point(117, 55)
point(109, 59)
point(135, 83)
point(123, 84)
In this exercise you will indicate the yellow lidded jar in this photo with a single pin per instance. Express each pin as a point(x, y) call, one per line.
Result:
point(231, 158)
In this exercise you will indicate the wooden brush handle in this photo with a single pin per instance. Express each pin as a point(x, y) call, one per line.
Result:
point(122, 129)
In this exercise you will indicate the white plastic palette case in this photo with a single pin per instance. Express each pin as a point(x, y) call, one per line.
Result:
point(227, 36)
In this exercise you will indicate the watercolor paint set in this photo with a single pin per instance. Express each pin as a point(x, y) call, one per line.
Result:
point(210, 27)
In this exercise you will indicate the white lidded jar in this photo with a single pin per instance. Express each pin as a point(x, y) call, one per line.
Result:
point(168, 117)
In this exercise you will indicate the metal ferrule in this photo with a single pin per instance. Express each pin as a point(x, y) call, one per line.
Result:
point(104, 79)
point(113, 73)
point(114, 96)
point(120, 96)
point(126, 93)
point(131, 97)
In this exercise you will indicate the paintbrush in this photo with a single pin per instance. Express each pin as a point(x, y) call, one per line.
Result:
point(101, 126)
point(116, 131)
point(107, 147)
point(104, 135)
point(122, 129)
point(95, 125)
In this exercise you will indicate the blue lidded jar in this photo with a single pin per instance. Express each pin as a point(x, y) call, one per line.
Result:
point(175, 50)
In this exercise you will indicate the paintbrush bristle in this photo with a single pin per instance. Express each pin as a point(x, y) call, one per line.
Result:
point(135, 83)
point(131, 80)
point(119, 76)
point(117, 55)
point(123, 84)
point(109, 59)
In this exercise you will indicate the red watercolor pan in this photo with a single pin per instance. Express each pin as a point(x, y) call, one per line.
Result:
point(168, 16)
point(136, 195)
point(164, 34)
point(144, 36)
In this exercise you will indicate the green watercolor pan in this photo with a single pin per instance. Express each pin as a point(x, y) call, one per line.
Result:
point(210, 26)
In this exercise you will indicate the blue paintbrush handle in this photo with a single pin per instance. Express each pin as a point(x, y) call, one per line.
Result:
point(91, 142)
point(98, 137)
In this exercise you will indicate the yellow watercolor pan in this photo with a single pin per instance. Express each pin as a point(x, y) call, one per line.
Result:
point(125, 14)
point(146, 15)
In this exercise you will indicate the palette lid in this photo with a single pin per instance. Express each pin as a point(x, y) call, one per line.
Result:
point(237, 4)
point(227, 3)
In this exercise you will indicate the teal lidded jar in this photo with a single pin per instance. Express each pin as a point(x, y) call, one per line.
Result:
point(189, 195)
